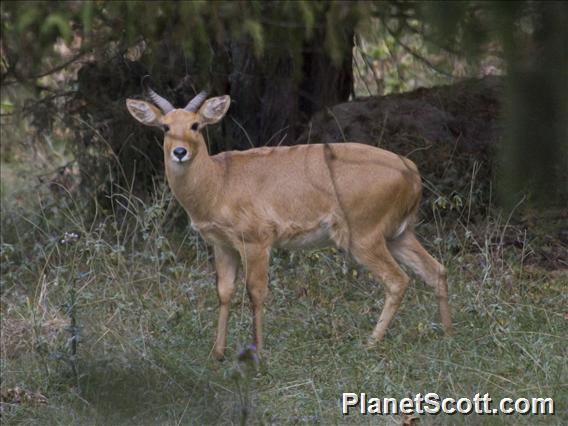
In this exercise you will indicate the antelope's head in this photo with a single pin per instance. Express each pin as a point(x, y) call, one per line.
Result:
point(182, 127)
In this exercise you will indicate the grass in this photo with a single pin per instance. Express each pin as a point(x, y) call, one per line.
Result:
point(141, 292)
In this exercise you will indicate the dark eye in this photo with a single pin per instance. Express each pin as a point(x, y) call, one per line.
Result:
point(166, 128)
point(195, 126)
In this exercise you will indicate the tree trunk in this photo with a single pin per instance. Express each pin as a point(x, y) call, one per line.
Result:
point(535, 154)
point(273, 99)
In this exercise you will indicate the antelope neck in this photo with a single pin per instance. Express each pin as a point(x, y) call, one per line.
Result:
point(196, 185)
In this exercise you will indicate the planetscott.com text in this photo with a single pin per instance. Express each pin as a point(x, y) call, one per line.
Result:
point(432, 403)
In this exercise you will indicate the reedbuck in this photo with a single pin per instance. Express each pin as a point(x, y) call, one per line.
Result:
point(360, 198)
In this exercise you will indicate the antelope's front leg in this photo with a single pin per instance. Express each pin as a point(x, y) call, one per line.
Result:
point(256, 269)
point(227, 266)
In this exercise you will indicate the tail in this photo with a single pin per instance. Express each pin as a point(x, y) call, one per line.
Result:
point(410, 214)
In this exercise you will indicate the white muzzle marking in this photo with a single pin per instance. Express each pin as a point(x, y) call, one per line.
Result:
point(180, 160)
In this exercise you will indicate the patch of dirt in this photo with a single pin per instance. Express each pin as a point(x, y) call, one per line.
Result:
point(16, 396)
point(547, 232)
point(19, 335)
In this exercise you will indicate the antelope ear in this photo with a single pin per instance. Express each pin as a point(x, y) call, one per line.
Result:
point(144, 112)
point(214, 109)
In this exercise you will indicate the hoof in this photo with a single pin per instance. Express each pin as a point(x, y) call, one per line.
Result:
point(373, 342)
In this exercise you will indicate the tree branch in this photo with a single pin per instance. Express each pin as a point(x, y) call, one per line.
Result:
point(415, 54)
point(22, 78)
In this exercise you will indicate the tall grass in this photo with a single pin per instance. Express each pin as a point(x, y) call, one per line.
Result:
point(117, 326)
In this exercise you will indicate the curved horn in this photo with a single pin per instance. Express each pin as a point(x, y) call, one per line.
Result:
point(164, 104)
point(196, 102)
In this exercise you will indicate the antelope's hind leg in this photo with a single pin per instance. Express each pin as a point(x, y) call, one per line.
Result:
point(382, 265)
point(227, 266)
point(408, 251)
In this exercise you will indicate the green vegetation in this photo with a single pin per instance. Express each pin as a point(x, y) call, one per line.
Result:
point(142, 294)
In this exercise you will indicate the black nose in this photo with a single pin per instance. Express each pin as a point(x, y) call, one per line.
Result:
point(180, 152)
